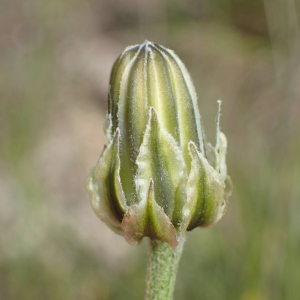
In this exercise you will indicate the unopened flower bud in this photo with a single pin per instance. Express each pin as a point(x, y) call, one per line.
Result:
point(158, 176)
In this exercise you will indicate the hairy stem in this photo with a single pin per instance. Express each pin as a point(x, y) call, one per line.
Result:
point(162, 270)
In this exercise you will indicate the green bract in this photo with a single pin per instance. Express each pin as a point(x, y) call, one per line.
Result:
point(158, 176)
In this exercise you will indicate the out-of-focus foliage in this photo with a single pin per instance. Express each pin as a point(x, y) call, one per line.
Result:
point(55, 62)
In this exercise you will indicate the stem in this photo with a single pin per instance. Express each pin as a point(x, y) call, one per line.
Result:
point(162, 270)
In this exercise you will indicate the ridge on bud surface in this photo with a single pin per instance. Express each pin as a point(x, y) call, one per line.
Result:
point(158, 176)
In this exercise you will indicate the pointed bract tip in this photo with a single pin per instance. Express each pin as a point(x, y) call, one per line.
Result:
point(152, 110)
point(192, 147)
point(152, 113)
point(151, 184)
point(219, 108)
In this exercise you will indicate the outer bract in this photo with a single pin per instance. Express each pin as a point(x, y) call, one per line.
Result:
point(158, 176)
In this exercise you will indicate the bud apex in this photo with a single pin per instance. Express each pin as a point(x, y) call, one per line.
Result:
point(158, 176)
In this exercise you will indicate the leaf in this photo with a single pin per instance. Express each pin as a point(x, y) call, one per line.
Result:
point(161, 159)
point(105, 189)
point(148, 219)
point(205, 194)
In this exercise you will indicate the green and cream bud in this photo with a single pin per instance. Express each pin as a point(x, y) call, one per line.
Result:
point(158, 176)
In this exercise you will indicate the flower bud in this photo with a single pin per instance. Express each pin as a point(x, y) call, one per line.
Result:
point(158, 176)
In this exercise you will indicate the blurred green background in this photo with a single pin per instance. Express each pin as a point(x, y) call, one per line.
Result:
point(55, 64)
